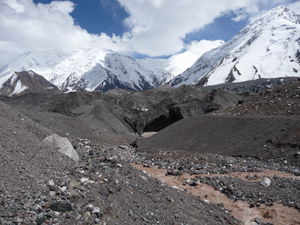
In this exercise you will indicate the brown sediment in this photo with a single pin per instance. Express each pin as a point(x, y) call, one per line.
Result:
point(276, 214)
point(253, 176)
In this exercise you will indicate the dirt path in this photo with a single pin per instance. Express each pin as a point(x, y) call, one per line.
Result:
point(277, 214)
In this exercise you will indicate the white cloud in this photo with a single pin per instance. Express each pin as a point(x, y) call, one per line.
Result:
point(156, 27)
point(26, 26)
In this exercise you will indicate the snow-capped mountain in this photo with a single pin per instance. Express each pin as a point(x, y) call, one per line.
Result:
point(268, 47)
point(90, 69)
point(178, 63)
point(96, 69)
point(26, 81)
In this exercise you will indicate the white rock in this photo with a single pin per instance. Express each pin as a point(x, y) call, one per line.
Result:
point(63, 189)
point(51, 183)
point(253, 223)
point(87, 147)
point(96, 210)
point(63, 145)
point(266, 182)
point(84, 180)
point(90, 206)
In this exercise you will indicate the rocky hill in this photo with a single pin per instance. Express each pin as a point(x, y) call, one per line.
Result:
point(27, 82)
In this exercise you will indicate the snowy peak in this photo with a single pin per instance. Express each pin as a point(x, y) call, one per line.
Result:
point(267, 48)
point(34, 60)
point(89, 69)
point(25, 82)
point(280, 12)
point(128, 70)
point(97, 69)
point(139, 74)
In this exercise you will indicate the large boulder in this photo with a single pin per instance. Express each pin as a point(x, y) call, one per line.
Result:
point(63, 145)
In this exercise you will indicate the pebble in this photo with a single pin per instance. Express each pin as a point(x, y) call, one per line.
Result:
point(61, 206)
point(51, 183)
point(85, 180)
point(74, 184)
point(96, 210)
point(63, 189)
point(266, 182)
point(296, 172)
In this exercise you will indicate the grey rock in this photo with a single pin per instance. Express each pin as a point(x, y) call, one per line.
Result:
point(266, 182)
point(63, 145)
point(296, 172)
point(61, 206)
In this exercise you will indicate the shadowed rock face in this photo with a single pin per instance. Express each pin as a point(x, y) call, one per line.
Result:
point(156, 109)
point(125, 111)
point(27, 82)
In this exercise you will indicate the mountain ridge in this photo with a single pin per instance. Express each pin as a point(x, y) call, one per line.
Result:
point(27, 81)
point(266, 48)
point(96, 69)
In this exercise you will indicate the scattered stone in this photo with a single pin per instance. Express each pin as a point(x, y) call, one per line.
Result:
point(96, 210)
point(296, 172)
point(85, 181)
point(266, 182)
point(74, 184)
point(40, 219)
point(63, 188)
point(61, 206)
point(52, 193)
point(87, 215)
point(173, 173)
point(51, 183)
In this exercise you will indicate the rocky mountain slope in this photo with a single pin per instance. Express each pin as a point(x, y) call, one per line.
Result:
point(39, 185)
point(282, 100)
point(25, 82)
point(264, 123)
point(267, 48)
point(236, 170)
point(121, 113)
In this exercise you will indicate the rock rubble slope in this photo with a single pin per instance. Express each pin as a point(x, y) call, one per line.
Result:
point(233, 169)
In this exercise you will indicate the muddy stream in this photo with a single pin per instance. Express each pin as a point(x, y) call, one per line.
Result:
point(277, 214)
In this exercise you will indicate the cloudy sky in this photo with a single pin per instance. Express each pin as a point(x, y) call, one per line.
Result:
point(156, 28)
